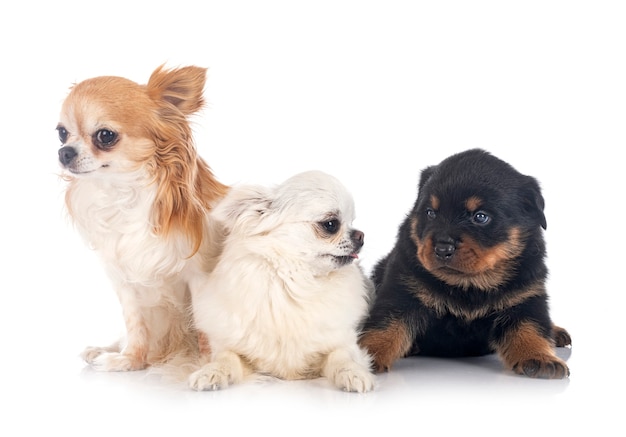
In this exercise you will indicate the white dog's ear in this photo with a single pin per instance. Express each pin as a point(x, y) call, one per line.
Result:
point(243, 204)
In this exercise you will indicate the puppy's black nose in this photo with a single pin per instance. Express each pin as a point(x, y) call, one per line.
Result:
point(358, 238)
point(445, 249)
point(66, 154)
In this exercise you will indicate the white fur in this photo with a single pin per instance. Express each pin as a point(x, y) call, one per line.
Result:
point(113, 215)
point(277, 303)
point(149, 273)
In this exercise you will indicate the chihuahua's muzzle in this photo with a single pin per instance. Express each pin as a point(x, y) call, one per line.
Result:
point(66, 155)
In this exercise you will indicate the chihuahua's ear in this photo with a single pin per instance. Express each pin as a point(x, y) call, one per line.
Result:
point(182, 87)
point(243, 207)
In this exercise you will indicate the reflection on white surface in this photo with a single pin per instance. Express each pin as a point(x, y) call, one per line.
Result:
point(430, 394)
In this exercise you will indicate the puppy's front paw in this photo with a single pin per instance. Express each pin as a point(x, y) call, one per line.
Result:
point(386, 345)
point(543, 367)
point(527, 352)
point(561, 337)
point(354, 380)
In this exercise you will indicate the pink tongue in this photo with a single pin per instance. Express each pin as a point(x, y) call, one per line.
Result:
point(354, 255)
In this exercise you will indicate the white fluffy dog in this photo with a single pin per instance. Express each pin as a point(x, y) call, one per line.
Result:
point(286, 298)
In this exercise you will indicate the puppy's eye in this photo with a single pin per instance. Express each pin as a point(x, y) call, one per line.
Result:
point(63, 134)
point(331, 226)
point(431, 214)
point(480, 218)
point(104, 139)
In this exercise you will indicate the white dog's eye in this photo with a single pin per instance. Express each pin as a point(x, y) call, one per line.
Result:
point(331, 226)
point(63, 134)
point(104, 139)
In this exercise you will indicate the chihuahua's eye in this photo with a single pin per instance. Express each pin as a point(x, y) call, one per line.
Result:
point(104, 139)
point(62, 134)
point(430, 213)
point(331, 226)
point(481, 218)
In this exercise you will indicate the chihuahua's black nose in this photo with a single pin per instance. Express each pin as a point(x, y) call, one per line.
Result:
point(358, 238)
point(66, 154)
point(444, 249)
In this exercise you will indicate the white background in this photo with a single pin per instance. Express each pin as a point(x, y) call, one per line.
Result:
point(371, 92)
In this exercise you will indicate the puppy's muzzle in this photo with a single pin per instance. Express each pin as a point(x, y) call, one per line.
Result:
point(66, 155)
point(445, 248)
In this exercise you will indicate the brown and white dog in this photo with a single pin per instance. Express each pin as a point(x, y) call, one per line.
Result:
point(139, 194)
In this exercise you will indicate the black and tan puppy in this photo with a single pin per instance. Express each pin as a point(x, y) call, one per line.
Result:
point(467, 274)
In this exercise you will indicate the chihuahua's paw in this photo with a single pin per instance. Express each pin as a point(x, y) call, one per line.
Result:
point(90, 353)
point(102, 360)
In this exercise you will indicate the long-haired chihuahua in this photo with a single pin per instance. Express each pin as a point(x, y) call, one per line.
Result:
point(139, 194)
point(287, 297)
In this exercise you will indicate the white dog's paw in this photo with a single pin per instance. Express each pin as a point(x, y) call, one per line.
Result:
point(349, 369)
point(227, 368)
point(209, 378)
point(354, 380)
point(106, 359)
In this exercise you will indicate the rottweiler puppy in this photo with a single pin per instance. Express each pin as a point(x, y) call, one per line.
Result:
point(467, 274)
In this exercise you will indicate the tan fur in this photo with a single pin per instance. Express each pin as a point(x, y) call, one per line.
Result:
point(392, 342)
point(485, 269)
point(434, 201)
point(473, 203)
point(525, 351)
point(442, 306)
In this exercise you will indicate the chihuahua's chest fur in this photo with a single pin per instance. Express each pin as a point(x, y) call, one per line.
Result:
point(115, 218)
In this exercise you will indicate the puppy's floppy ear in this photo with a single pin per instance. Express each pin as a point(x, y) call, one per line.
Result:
point(242, 205)
point(182, 87)
point(425, 175)
point(533, 201)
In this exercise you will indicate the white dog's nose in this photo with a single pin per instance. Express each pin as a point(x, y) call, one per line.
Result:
point(358, 239)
